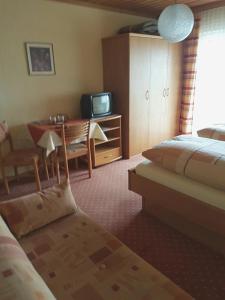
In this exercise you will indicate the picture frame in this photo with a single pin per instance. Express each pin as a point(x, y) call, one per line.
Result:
point(40, 58)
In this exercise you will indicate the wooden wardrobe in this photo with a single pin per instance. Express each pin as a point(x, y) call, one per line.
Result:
point(144, 74)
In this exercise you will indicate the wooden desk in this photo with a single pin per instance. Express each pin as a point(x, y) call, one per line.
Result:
point(37, 129)
point(46, 135)
point(105, 134)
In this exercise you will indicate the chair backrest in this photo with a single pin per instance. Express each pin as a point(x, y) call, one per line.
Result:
point(73, 132)
point(5, 137)
point(4, 131)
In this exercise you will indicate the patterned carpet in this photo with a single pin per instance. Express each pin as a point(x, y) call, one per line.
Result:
point(106, 199)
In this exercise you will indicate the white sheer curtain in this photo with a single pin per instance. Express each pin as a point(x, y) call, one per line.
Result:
point(210, 82)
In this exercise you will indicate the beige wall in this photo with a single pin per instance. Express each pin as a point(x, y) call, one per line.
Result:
point(76, 33)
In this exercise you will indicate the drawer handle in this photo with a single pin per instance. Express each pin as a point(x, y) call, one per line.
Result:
point(108, 156)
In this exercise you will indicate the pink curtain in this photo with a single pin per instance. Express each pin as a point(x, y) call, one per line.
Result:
point(190, 46)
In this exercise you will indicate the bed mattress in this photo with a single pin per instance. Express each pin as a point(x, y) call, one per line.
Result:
point(181, 184)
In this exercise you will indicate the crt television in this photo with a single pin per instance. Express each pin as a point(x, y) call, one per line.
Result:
point(96, 105)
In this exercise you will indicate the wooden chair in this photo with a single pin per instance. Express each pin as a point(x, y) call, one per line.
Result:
point(16, 158)
point(75, 143)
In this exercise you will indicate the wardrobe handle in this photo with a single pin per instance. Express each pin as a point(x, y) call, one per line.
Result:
point(167, 92)
point(147, 96)
point(164, 93)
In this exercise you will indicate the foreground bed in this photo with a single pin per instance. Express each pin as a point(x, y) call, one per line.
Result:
point(191, 207)
point(75, 258)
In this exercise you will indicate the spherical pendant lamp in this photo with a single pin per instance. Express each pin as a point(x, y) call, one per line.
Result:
point(176, 22)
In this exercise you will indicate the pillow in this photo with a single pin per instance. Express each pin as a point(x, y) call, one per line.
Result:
point(30, 212)
point(216, 132)
point(170, 152)
point(192, 138)
point(18, 278)
point(200, 159)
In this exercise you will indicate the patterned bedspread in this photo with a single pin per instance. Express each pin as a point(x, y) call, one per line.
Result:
point(79, 260)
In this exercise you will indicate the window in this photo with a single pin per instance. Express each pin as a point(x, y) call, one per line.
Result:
point(209, 105)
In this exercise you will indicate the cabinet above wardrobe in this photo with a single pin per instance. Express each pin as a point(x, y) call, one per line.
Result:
point(144, 74)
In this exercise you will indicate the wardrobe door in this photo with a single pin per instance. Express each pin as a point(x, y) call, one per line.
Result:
point(173, 89)
point(139, 93)
point(158, 77)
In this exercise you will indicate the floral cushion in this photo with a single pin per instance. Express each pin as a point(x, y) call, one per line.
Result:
point(81, 261)
point(27, 213)
point(198, 158)
point(18, 278)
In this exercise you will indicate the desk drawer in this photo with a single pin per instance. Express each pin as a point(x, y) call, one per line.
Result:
point(107, 156)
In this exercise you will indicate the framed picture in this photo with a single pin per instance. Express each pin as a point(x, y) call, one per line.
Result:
point(40, 59)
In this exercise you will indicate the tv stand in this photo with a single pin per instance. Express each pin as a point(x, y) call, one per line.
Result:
point(103, 152)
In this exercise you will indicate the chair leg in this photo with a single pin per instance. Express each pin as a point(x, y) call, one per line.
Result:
point(57, 170)
point(44, 161)
point(76, 163)
point(36, 173)
point(52, 162)
point(5, 180)
point(89, 165)
point(67, 174)
point(46, 167)
point(52, 169)
point(16, 173)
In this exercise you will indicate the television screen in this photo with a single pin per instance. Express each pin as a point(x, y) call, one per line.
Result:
point(101, 104)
